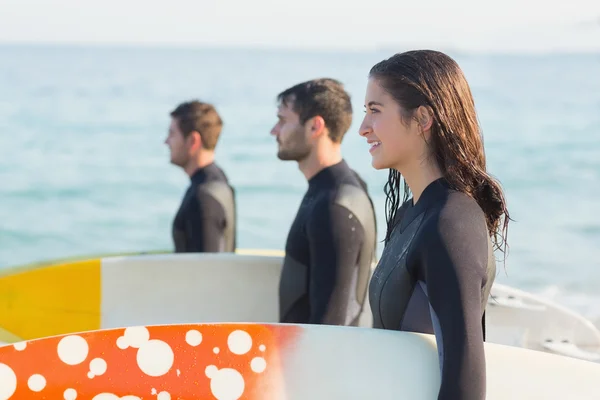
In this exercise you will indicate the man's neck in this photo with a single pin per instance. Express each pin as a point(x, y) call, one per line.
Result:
point(318, 161)
point(203, 159)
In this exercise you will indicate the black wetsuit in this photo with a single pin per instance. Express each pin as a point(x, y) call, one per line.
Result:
point(434, 277)
point(329, 251)
point(206, 219)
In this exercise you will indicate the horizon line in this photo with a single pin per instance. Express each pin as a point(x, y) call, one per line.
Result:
point(299, 48)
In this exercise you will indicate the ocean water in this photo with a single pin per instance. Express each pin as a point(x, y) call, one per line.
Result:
point(84, 168)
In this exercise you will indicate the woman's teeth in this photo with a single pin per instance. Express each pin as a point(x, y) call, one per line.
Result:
point(374, 145)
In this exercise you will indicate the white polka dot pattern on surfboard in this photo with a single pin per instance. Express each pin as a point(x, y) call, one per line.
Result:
point(73, 349)
point(155, 358)
point(163, 396)
point(133, 336)
point(239, 342)
point(8, 382)
point(110, 396)
point(20, 346)
point(70, 394)
point(258, 364)
point(193, 338)
point(36, 383)
point(219, 361)
point(227, 384)
point(97, 367)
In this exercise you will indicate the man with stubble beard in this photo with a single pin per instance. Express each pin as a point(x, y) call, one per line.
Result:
point(332, 241)
point(206, 219)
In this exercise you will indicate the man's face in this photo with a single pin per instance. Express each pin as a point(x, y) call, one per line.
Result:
point(291, 136)
point(177, 145)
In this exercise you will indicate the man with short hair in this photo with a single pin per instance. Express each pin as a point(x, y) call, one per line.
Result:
point(206, 219)
point(332, 241)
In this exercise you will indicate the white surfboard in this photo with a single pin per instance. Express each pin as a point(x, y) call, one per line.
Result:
point(522, 319)
point(269, 361)
point(165, 288)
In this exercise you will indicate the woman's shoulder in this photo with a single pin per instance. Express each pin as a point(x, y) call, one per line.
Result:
point(457, 214)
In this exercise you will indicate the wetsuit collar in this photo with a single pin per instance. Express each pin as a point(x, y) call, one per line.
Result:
point(433, 192)
point(329, 174)
point(203, 174)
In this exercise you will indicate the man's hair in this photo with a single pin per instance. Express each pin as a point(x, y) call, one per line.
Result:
point(200, 117)
point(325, 97)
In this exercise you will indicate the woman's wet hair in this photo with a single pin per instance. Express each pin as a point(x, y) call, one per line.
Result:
point(434, 80)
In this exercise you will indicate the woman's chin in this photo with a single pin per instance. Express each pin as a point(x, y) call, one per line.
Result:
point(377, 163)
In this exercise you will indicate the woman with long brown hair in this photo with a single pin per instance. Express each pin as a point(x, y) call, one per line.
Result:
point(438, 266)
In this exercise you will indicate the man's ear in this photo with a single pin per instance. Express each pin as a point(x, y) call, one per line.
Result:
point(316, 126)
point(194, 141)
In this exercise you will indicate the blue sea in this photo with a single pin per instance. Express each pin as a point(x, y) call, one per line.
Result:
point(84, 168)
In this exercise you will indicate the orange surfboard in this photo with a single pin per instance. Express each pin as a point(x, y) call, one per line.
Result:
point(234, 361)
point(219, 362)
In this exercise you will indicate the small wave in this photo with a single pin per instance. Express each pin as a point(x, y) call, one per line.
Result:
point(589, 229)
point(45, 194)
point(585, 304)
point(266, 189)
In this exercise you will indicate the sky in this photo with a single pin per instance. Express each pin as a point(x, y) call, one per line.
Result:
point(470, 25)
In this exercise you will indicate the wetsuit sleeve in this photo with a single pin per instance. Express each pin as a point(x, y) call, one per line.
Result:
point(335, 237)
point(454, 258)
point(204, 224)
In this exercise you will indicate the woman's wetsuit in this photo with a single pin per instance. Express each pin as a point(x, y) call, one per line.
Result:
point(434, 276)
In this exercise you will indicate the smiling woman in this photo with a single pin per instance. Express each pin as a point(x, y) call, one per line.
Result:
point(438, 266)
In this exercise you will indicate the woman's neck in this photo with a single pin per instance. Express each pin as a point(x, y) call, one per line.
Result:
point(419, 176)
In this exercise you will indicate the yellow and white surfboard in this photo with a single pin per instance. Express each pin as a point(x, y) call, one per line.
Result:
point(113, 291)
point(46, 299)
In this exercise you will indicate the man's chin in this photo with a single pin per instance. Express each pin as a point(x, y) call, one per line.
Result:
point(286, 156)
point(291, 155)
point(176, 163)
point(283, 155)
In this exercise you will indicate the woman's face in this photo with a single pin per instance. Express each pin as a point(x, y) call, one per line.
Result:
point(394, 142)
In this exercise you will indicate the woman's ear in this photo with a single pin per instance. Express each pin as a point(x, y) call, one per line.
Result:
point(424, 118)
